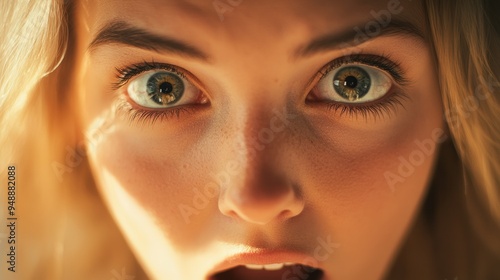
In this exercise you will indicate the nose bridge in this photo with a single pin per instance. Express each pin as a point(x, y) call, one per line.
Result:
point(259, 135)
point(260, 191)
point(261, 130)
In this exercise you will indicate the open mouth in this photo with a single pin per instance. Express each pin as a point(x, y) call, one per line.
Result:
point(278, 271)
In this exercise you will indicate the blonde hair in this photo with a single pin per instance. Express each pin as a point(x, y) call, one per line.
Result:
point(56, 240)
point(456, 234)
point(466, 48)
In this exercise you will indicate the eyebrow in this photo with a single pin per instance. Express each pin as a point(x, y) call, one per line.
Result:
point(119, 32)
point(355, 36)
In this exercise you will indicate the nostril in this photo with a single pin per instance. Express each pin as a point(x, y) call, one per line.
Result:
point(233, 214)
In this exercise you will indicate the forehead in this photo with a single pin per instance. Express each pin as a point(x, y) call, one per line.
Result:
point(249, 18)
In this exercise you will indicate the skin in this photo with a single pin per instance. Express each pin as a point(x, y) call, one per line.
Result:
point(321, 175)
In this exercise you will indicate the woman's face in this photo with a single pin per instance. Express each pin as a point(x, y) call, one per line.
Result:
point(231, 133)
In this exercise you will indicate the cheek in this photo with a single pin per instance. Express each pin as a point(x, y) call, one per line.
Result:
point(391, 155)
point(367, 178)
point(162, 172)
point(144, 168)
point(143, 190)
point(152, 246)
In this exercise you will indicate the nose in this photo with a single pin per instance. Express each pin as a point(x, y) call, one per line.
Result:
point(262, 191)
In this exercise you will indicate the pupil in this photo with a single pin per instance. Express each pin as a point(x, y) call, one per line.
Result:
point(166, 87)
point(351, 82)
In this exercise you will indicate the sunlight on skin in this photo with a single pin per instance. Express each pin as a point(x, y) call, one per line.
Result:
point(132, 217)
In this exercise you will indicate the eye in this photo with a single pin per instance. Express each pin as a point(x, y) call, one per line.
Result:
point(354, 83)
point(162, 89)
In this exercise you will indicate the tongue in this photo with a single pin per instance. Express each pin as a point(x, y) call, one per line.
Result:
point(296, 272)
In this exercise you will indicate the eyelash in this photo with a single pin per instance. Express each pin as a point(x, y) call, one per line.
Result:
point(125, 74)
point(149, 116)
point(374, 109)
point(387, 104)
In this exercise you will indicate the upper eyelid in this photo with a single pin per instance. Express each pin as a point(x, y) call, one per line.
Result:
point(384, 63)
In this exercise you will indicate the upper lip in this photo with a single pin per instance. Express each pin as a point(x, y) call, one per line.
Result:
point(263, 257)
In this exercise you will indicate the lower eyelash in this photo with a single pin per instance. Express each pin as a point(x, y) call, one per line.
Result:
point(124, 109)
point(382, 108)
